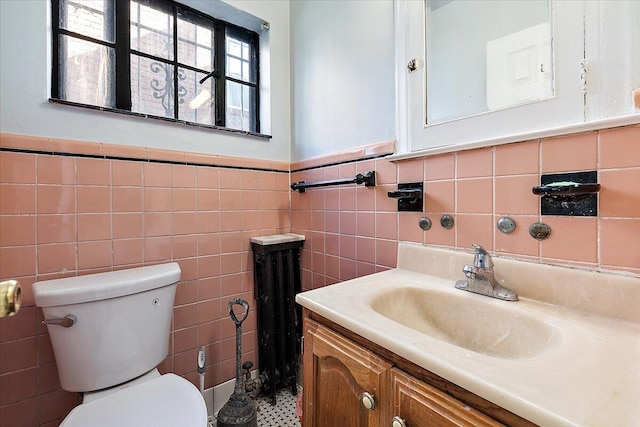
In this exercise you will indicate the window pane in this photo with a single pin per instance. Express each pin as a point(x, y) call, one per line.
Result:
point(234, 67)
point(151, 30)
point(234, 47)
point(199, 103)
point(245, 69)
point(195, 45)
point(238, 58)
point(152, 90)
point(93, 18)
point(204, 36)
point(245, 51)
point(86, 72)
point(240, 109)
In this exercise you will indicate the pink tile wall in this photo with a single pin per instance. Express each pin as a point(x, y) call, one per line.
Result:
point(68, 215)
point(72, 215)
point(353, 231)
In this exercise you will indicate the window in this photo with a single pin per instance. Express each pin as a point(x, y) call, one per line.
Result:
point(156, 58)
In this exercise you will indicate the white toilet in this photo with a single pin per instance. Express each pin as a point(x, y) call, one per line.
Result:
point(109, 332)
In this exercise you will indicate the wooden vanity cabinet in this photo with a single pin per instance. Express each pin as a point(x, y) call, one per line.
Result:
point(337, 374)
point(337, 371)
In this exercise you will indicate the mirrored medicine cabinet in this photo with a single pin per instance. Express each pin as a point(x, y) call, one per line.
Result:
point(481, 72)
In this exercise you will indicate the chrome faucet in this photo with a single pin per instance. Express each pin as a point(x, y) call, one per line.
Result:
point(480, 277)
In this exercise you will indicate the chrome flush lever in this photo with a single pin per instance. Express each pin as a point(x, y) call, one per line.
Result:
point(66, 322)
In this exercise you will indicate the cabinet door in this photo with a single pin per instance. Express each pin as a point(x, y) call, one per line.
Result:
point(420, 405)
point(337, 373)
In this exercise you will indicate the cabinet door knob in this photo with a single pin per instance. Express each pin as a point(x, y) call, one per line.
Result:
point(398, 422)
point(368, 401)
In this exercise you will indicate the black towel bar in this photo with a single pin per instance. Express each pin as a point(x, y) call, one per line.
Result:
point(368, 179)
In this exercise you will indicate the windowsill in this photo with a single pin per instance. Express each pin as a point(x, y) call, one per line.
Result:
point(631, 119)
point(164, 119)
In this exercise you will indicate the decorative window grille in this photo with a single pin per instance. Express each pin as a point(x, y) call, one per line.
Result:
point(155, 58)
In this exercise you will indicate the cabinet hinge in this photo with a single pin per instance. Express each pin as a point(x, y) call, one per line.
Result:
point(583, 76)
point(302, 345)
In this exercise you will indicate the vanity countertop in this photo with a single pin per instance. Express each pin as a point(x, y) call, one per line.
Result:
point(589, 375)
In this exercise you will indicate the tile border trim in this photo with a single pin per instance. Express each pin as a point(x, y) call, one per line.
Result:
point(367, 152)
point(67, 148)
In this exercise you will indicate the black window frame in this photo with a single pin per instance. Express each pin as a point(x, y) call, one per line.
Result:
point(123, 52)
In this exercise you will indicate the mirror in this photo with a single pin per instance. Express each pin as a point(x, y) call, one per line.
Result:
point(486, 55)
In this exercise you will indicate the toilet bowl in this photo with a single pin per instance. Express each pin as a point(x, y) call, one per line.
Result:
point(109, 332)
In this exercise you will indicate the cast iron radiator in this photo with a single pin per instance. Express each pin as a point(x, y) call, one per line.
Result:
point(276, 283)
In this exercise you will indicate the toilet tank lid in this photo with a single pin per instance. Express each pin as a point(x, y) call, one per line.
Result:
point(112, 284)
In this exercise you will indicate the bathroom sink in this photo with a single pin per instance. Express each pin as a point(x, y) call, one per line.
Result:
point(566, 354)
point(476, 323)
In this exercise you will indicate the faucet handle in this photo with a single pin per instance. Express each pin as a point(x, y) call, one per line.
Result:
point(482, 258)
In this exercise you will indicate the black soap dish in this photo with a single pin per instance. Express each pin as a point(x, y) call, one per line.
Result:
point(565, 188)
point(568, 193)
point(410, 196)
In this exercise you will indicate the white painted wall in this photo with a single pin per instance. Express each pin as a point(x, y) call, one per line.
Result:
point(342, 72)
point(24, 90)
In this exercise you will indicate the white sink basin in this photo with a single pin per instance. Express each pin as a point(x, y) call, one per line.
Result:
point(477, 323)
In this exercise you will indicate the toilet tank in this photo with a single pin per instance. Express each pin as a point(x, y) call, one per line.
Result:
point(123, 321)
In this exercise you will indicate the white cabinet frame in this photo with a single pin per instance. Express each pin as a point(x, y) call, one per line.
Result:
point(602, 36)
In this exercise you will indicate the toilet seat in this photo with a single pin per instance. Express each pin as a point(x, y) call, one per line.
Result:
point(166, 401)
